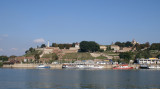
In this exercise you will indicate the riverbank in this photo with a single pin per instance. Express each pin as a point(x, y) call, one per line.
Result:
point(53, 66)
point(59, 66)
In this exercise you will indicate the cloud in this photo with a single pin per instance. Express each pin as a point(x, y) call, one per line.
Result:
point(1, 49)
point(14, 49)
point(41, 40)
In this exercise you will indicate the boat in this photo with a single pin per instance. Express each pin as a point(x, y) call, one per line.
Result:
point(144, 67)
point(154, 67)
point(43, 66)
point(122, 67)
point(82, 66)
point(98, 67)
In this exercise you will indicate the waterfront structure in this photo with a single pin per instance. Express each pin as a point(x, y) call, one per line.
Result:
point(149, 61)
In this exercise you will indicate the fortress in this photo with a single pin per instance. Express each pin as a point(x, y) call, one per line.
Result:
point(57, 50)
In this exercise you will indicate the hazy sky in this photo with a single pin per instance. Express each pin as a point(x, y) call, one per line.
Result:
point(27, 23)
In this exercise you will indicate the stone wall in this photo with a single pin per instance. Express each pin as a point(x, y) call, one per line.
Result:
point(53, 66)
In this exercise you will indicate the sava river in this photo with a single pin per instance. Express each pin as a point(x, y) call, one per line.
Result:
point(79, 79)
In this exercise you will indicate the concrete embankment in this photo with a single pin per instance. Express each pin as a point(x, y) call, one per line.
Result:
point(110, 66)
point(53, 66)
point(57, 66)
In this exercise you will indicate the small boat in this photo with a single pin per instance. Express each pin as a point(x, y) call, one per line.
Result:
point(43, 66)
point(144, 67)
point(122, 67)
point(154, 67)
point(98, 67)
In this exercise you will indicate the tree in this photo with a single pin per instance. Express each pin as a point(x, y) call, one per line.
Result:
point(147, 44)
point(89, 46)
point(128, 44)
point(37, 57)
point(120, 44)
point(68, 46)
point(54, 45)
point(54, 56)
point(127, 56)
point(61, 46)
point(155, 46)
point(73, 44)
point(4, 58)
point(124, 44)
point(138, 47)
point(31, 49)
point(43, 46)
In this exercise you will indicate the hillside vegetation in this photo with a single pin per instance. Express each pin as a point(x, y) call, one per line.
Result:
point(78, 56)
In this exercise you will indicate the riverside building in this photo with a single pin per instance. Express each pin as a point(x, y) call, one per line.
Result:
point(149, 61)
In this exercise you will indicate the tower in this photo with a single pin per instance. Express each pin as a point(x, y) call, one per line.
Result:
point(48, 44)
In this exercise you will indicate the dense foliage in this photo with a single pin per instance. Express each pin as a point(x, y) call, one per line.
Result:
point(155, 46)
point(89, 46)
point(3, 58)
point(1, 64)
point(127, 56)
point(51, 56)
point(78, 56)
point(124, 44)
point(143, 54)
point(33, 52)
point(142, 46)
point(43, 46)
point(62, 46)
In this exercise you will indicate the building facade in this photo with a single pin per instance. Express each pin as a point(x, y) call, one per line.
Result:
point(149, 61)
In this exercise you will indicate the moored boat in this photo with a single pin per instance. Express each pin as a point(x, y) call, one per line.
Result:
point(43, 66)
point(82, 66)
point(144, 67)
point(122, 67)
point(154, 67)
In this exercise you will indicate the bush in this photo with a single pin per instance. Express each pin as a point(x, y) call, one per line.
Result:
point(1, 64)
point(101, 50)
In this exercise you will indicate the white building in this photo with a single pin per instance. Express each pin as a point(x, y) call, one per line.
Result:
point(149, 61)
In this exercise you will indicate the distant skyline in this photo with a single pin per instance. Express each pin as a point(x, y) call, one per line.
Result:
point(28, 23)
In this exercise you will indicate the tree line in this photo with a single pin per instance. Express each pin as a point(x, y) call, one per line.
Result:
point(61, 46)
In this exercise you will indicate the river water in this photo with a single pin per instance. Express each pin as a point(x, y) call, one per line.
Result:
point(79, 79)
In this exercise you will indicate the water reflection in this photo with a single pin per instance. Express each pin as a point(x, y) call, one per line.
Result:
point(79, 79)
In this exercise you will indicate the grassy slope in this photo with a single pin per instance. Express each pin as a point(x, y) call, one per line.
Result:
point(79, 56)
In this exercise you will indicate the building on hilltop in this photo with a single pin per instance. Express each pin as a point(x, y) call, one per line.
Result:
point(57, 50)
point(134, 42)
point(103, 47)
point(115, 47)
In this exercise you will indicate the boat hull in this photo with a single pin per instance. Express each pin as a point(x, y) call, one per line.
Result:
point(123, 68)
point(43, 66)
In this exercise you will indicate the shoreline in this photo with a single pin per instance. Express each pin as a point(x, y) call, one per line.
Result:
point(59, 66)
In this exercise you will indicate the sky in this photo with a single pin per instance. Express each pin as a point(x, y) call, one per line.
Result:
point(28, 23)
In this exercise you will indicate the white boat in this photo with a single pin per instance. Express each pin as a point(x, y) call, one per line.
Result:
point(144, 67)
point(83, 66)
point(154, 67)
point(98, 67)
point(43, 66)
